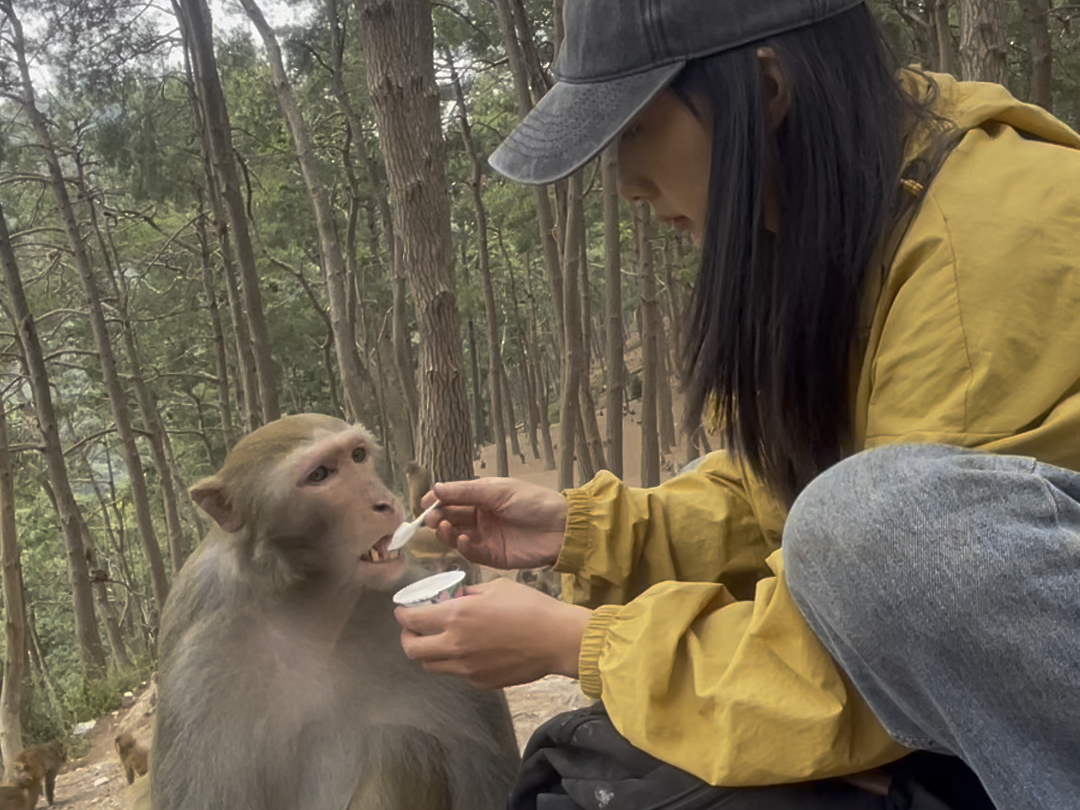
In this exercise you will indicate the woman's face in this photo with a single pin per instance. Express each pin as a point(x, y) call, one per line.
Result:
point(664, 158)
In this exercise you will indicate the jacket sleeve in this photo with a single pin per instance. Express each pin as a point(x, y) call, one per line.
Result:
point(702, 525)
point(735, 692)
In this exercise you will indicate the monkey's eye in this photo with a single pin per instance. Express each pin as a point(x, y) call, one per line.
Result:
point(320, 473)
point(359, 455)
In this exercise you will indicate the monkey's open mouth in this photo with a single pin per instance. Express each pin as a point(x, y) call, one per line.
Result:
point(378, 553)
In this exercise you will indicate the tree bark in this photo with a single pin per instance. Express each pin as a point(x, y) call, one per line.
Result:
point(650, 361)
point(333, 261)
point(14, 605)
point(102, 338)
point(221, 357)
point(397, 43)
point(479, 423)
point(1036, 15)
point(515, 54)
point(539, 384)
point(665, 417)
point(569, 402)
point(982, 41)
point(616, 381)
point(495, 367)
point(152, 422)
point(91, 652)
point(247, 387)
point(197, 30)
point(592, 438)
point(942, 35)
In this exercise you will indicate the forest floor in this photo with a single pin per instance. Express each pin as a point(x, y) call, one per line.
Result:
point(96, 780)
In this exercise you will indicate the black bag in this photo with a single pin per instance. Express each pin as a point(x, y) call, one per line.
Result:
point(578, 761)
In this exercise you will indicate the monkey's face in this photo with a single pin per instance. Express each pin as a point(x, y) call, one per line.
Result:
point(339, 516)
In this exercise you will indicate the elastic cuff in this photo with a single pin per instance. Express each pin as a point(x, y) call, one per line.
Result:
point(579, 525)
point(592, 644)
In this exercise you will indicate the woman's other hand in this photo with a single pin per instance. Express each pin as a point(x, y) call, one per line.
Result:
point(498, 634)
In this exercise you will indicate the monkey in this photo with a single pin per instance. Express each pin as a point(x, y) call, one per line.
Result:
point(418, 483)
point(42, 762)
point(22, 793)
point(546, 580)
point(133, 756)
point(282, 681)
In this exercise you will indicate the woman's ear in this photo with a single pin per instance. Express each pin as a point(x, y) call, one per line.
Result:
point(777, 98)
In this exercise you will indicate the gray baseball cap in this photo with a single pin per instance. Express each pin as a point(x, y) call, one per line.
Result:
point(618, 55)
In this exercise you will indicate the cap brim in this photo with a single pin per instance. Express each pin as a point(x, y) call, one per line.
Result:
point(573, 122)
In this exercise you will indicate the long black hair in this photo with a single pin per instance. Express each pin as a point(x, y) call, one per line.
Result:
point(774, 318)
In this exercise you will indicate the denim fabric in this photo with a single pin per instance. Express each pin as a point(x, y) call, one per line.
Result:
point(946, 584)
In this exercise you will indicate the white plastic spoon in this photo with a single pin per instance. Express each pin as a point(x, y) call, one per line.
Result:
point(405, 532)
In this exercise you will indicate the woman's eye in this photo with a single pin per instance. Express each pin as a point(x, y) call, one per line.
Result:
point(359, 455)
point(320, 473)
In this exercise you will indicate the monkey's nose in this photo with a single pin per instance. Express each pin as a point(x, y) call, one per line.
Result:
point(383, 507)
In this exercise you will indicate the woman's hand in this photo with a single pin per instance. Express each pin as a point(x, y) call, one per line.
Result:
point(498, 634)
point(499, 522)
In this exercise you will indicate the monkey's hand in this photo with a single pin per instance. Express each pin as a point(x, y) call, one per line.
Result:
point(500, 522)
point(499, 634)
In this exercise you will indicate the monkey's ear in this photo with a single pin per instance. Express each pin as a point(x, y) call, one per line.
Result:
point(210, 497)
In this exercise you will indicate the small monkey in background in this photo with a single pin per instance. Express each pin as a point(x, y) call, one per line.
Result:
point(41, 763)
point(418, 484)
point(546, 580)
point(133, 756)
point(22, 793)
point(282, 682)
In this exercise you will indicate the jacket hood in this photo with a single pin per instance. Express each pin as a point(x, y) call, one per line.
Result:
point(969, 105)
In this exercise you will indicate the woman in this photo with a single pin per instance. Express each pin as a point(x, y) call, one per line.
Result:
point(886, 327)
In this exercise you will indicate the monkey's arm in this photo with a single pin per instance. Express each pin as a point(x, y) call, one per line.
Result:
point(711, 524)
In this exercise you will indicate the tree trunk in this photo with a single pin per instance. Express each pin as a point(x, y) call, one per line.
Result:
point(402, 352)
point(197, 31)
point(982, 41)
point(97, 583)
point(15, 607)
point(221, 358)
point(333, 261)
point(528, 397)
point(592, 438)
point(569, 403)
point(90, 650)
point(511, 418)
point(515, 54)
point(405, 379)
point(616, 381)
point(247, 390)
point(942, 36)
point(665, 417)
point(1036, 20)
point(102, 338)
point(495, 367)
point(37, 659)
point(539, 384)
point(650, 361)
point(153, 425)
point(397, 43)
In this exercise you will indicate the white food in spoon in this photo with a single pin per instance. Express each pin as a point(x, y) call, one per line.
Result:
point(405, 532)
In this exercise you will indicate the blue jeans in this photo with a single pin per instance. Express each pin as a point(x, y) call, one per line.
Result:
point(946, 584)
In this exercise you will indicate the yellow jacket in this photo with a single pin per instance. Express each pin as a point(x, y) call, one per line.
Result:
point(695, 646)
